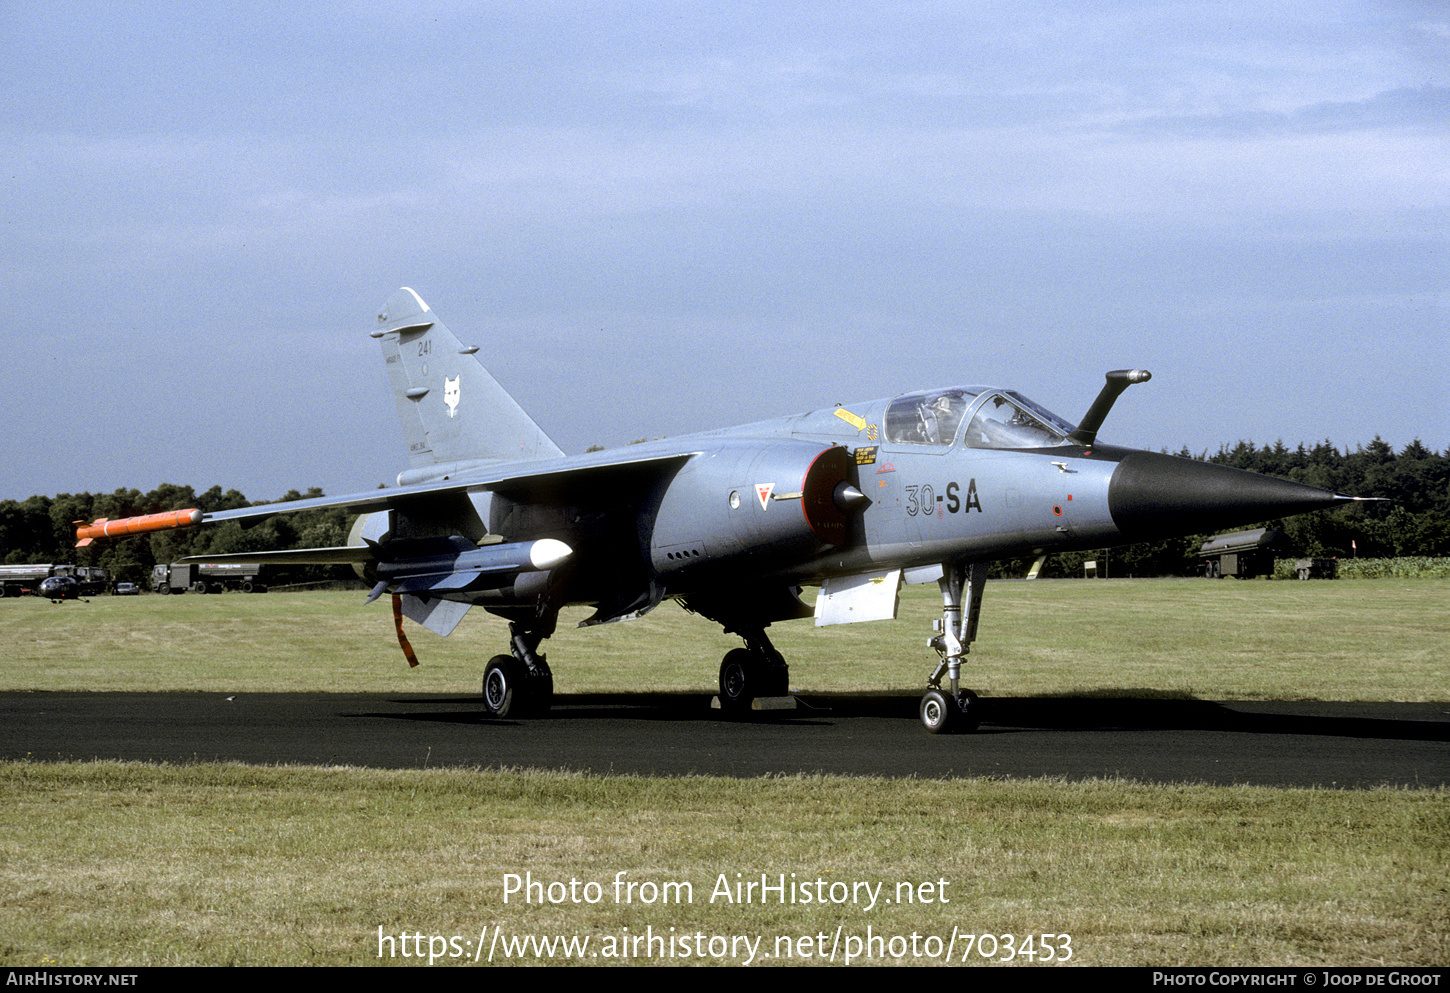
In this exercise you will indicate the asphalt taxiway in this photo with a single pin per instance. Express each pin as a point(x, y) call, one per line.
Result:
point(1304, 744)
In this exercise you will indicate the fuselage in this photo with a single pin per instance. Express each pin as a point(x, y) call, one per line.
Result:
point(58, 588)
point(937, 466)
point(952, 474)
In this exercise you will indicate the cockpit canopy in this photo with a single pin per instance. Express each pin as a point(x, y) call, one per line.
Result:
point(929, 418)
point(1003, 419)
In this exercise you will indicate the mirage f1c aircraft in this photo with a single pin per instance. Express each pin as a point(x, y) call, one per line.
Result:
point(928, 486)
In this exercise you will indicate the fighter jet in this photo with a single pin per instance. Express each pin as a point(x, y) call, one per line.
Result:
point(928, 486)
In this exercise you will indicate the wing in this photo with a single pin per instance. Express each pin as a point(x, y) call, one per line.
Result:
point(522, 480)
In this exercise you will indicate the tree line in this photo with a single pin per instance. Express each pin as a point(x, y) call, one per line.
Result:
point(1414, 522)
point(42, 529)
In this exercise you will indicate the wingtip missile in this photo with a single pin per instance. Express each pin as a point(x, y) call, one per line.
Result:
point(103, 528)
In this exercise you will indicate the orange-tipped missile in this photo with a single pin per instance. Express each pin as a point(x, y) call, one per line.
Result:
point(103, 528)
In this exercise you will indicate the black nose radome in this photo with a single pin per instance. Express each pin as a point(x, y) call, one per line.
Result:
point(1152, 495)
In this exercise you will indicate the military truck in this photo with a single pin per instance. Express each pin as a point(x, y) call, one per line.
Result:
point(201, 577)
point(1316, 568)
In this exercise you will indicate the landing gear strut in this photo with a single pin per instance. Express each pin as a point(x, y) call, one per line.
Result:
point(949, 709)
point(520, 685)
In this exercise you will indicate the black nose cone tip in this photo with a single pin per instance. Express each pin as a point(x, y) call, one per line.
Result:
point(1152, 495)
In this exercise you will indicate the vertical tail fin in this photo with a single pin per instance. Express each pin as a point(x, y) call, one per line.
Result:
point(454, 414)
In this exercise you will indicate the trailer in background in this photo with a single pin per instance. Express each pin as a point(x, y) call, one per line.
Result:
point(201, 577)
point(25, 580)
point(1244, 554)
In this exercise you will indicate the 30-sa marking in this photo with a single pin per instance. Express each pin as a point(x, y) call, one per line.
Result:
point(925, 500)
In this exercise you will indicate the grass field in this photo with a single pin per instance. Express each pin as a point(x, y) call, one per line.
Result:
point(108, 863)
point(1343, 640)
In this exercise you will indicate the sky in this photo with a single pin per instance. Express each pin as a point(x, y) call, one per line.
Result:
point(656, 218)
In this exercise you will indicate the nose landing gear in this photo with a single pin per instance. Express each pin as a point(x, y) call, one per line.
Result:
point(954, 709)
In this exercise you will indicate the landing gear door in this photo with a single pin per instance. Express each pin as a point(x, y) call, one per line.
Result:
point(865, 597)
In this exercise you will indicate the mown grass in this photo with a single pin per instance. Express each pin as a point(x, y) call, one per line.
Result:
point(129, 864)
point(1226, 639)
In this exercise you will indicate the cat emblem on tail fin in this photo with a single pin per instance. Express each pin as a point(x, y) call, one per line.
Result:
point(450, 395)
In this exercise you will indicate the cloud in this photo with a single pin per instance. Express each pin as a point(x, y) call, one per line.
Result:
point(918, 192)
point(1424, 108)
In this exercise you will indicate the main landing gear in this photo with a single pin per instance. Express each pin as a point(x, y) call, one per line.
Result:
point(755, 671)
point(754, 677)
point(520, 684)
point(954, 709)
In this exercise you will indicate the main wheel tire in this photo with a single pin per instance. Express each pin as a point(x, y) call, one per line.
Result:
point(743, 677)
point(939, 712)
point(504, 687)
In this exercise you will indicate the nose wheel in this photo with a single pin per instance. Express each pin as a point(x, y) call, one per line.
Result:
point(942, 713)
